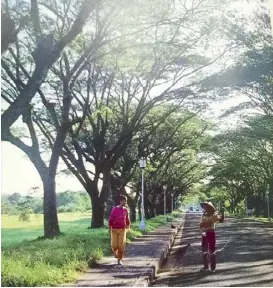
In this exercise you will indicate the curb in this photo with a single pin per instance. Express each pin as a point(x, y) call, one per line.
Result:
point(150, 275)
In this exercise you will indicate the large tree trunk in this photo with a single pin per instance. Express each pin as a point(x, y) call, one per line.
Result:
point(264, 204)
point(133, 212)
point(109, 204)
point(51, 224)
point(146, 209)
point(152, 210)
point(132, 206)
point(106, 193)
point(270, 199)
point(139, 209)
point(47, 174)
point(97, 220)
point(116, 191)
point(258, 204)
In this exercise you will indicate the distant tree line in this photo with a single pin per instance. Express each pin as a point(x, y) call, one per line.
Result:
point(68, 201)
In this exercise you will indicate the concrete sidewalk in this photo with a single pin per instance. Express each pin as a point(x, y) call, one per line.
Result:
point(142, 260)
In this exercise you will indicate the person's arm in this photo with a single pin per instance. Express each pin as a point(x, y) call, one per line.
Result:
point(111, 218)
point(222, 218)
point(128, 222)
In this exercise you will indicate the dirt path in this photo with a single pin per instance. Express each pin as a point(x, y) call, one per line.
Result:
point(246, 260)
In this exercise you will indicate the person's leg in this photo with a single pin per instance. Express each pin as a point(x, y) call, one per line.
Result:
point(211, 244)
point(205, 250)
point(121, 243)
point(114, 240)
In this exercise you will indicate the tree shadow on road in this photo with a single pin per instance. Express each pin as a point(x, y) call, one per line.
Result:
point(246, 260)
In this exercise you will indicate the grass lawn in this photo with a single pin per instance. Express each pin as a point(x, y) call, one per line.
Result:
point(30, 261)
point(15, 231)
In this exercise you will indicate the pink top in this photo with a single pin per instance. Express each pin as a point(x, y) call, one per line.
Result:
point(119, 218)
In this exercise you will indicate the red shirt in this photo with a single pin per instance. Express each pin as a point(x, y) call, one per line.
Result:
point(119, 218)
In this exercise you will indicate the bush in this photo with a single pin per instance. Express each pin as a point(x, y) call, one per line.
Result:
point(24, 215)
point(68, 208)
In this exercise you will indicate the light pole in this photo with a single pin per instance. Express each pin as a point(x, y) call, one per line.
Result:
point(142, 165)
point(267, 196)
point(164, 189)
point(246, 208)
point(173, 204)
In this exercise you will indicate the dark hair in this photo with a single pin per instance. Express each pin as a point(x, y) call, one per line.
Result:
point(122, 198)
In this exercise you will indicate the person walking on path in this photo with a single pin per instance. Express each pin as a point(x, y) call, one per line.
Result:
point(118, 223)
point(207, 224)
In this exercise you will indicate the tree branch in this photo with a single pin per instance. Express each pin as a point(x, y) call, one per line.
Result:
point(34, 13)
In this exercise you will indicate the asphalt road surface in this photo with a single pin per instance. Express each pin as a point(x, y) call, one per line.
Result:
point(245, 259)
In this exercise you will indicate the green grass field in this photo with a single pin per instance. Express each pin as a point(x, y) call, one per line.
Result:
point(30, 261)
point(15, 231)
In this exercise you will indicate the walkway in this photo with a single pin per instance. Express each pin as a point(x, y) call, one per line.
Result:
point(143, 258)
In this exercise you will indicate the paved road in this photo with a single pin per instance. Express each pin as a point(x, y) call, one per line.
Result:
point(247, 259)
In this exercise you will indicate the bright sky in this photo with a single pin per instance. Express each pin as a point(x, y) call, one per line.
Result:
point(19, 174)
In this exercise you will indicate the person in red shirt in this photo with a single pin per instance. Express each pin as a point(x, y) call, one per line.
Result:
point(207, 224)
point(118, 223)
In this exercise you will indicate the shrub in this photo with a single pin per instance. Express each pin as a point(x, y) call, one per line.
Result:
point(24, 215)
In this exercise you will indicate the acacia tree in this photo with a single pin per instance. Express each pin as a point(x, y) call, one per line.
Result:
point(176, 162)
point(46, 172)
point(18, 78)
point(244, 164)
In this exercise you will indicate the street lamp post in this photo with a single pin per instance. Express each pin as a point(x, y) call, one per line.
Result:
point(165, 188)
point(173, 203)
point(142, 165)
point(267, 196)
